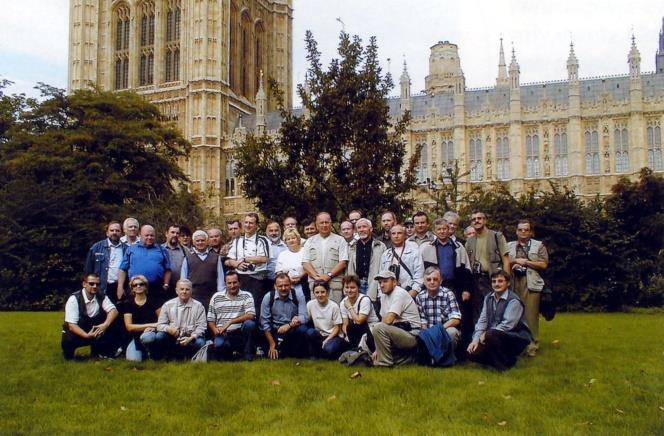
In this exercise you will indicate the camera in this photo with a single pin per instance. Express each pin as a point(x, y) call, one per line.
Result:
point(476, 268)
point(396, 269)
point(251, 267)
point(519, 271)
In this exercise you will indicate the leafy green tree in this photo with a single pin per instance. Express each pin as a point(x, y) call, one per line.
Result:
point(68, 165)
point(343, 153)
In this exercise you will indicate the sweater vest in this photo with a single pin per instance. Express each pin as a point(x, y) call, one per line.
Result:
point(495, 316)
point(203, 275)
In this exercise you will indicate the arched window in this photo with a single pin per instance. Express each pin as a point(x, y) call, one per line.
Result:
point(560, 153)
point(503, 157)
point(121, 55)
point(592, 151)
point(245, 56)
point(622, 150)
point(532, 155)
point(423, 164)
point(146, 72)
point(476, 167)
point(172, 50)
point(655, 159)
point(447, 153)
point(230, 178)
point(233, 47)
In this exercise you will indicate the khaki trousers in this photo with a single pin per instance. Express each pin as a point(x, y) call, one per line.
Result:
point(531, 301)
point(394, 346)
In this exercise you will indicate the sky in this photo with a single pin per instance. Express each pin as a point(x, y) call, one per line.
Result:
point(34, 36)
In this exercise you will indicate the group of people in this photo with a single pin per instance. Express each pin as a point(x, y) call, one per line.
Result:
point(410, 292)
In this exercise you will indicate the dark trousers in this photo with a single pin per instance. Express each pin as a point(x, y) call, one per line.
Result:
point(239, 340)
point(293, 343)
point(256, 287)
point(482, 289)
point(112, 292)
point(166, 346)
point(355, 332)
point(331, 350)
point(105, 345)
point(499, 350)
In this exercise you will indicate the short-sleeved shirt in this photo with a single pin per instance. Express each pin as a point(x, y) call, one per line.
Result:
point(224, 308)
point(324, 317)
point(91, 307)
point(144, 314)
point(362, 306)
point(402, 304)
point(482, 254)
point(250, 246)
point(151, 261)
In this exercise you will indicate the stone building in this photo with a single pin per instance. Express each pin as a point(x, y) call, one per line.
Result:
point(581, 132)
point(202, 62)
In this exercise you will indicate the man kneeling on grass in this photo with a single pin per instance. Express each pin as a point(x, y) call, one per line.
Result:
point(181, 325)
point(284, 319)
point(89, 316)
point(230, 318)
point(501, 333)
point(396, 335)
point(323, 338)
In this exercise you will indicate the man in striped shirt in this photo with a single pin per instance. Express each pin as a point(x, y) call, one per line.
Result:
point(231, 319)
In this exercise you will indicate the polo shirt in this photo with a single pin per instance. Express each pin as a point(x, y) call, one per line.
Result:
point(152, 262)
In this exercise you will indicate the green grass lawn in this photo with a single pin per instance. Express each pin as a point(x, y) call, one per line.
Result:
point(596, 374)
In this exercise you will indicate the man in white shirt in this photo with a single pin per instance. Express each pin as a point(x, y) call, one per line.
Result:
point(130, 227)
point(89, 316)
point(325, 257)
point(396, 335)
point(249, 255)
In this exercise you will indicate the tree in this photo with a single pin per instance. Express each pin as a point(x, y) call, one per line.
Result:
point(342, 153)
point(445, 191)
point(70, 164)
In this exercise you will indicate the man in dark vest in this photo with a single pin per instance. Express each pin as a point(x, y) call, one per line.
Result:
point(89, 317)
point(203, 267)
point(501, 333)
point(488, 253)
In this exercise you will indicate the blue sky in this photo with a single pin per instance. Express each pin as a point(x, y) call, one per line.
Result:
point(540, 31)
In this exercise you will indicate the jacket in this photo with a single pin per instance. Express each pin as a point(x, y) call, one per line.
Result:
point(377, 250)
point(413, 260)
point(98, 259)
point(463, 280)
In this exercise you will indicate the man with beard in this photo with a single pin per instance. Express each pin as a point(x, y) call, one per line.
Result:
point(387, 219)
point(104, 258)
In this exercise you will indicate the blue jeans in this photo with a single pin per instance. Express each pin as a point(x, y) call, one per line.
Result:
point(138, 352)
point(241, 340)
point(165, 346)
point(332, 348)
point(364, 286)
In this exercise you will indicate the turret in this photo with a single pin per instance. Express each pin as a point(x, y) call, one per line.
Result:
point(502, 81)
point(572, 65)
point(659, 57)
point(514, 72)
point(404, 81)
point(444, 68)
point(634, 61)
point(261, 106)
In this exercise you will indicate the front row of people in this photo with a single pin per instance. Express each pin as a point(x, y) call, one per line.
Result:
point(395, 330)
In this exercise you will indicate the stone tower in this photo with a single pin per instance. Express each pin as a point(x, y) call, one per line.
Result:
point(199, 61)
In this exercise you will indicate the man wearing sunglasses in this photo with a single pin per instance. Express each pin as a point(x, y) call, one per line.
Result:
point(89, 320)
point(488, 253)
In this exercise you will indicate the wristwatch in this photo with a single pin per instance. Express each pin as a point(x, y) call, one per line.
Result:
point(330, 275)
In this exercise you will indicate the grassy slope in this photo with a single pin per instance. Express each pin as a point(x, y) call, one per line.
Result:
point(623, 355)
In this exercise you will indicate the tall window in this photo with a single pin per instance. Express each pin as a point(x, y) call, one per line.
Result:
point(121, 55)
point(233, 48)
point(423, 164)
point(245, 57)
point(655, 159)
point(230, 178)
point(172, 57)
point(146, 72)
point(476, 168)
point(560, 153)
point(502, 157)
point(622, 149)
point(258, 54)
point(447, 153)
point(592, 151)
point(532, 155)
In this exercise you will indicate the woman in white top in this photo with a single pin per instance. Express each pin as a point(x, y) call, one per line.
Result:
point(357, 312)
point(324, 338)
point(290, 261)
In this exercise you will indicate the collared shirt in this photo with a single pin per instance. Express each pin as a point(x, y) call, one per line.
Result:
point(151, 261)
point(511, 319)
point(283, 310)
point(221, 278)
point(363, 257)
point(114, 261)
point(522, 251)
point(177, 255)
point(250, 246)
point(275, 250)
point(124, 239)
point(428, 237)
point(438, 309)
point(91, 307)
point(224, 308)
point(446, 259)
point(188, 318)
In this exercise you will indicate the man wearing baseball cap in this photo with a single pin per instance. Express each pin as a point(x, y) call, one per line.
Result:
point(396, 335)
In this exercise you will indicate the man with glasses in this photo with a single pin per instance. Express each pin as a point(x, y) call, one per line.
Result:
point(488, 253)
point(89, 318)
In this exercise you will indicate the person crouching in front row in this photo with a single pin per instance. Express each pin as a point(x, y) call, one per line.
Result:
point(324, 338)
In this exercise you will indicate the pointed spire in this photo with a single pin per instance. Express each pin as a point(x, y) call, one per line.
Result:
point(502, 79)
point(404, 82)
point(634, 60)
point(261, 104)
point(572, 64)
point(514, 71)
point(659, 57)
point(405, 77)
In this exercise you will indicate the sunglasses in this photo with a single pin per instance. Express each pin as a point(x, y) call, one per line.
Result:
point(137, 284)
point(93, 284)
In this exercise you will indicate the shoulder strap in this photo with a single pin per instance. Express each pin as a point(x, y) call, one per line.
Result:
point(394, 253)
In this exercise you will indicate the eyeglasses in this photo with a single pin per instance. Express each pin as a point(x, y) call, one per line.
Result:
point(93, 284)
point(137, 284)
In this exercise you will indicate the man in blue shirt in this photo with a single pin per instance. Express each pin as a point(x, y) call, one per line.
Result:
point(150, 260)
point(501, 332)
point(283, 319)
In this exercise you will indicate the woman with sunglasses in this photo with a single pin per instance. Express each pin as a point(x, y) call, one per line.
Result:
point(140, 318)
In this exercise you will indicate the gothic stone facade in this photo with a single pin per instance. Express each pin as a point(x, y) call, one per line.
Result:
point(199, 61)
